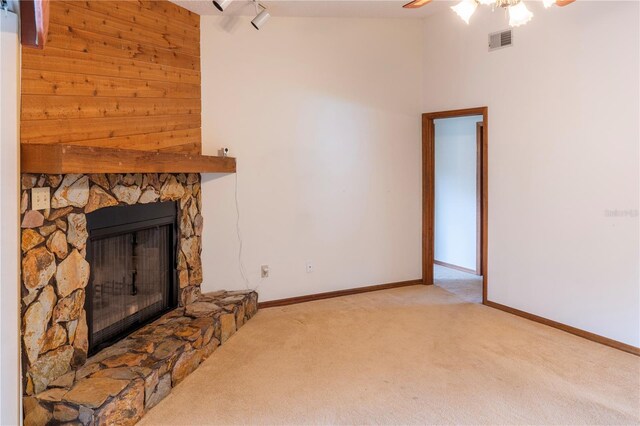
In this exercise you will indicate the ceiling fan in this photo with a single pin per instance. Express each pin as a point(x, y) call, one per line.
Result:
point(518, 12)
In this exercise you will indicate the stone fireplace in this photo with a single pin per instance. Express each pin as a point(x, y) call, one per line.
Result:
point(112, 312)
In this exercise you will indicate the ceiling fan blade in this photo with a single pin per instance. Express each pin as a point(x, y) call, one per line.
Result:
point(564, 2)
point(416, 4)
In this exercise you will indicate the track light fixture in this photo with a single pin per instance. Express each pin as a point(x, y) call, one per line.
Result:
point(261, 17)
point(221, 5)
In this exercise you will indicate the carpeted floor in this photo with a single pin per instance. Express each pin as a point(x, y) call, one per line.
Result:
point(412, 355)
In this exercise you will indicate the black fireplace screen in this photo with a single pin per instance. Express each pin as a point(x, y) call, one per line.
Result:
point(131, 251)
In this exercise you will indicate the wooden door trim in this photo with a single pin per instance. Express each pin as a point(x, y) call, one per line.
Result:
point(428, 190)
point(479, 169)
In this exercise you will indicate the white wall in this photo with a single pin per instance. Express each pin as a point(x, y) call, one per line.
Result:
point(9, 218)
point(563, 150)
point(324, 117)
point(456, 201)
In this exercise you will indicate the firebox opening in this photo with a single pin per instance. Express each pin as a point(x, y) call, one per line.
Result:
point(132, 253)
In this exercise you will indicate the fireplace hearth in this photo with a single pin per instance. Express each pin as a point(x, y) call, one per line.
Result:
point(132, 252)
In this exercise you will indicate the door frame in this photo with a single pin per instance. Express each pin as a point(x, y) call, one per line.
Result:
point(479, 179)
point(428, 190)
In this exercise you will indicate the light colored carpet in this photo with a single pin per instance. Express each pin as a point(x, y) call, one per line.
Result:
point(467, 287)
point(412, 355)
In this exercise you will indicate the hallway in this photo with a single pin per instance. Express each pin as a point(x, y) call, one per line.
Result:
point(467, 287)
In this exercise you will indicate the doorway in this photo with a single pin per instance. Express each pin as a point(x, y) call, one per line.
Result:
point(455, 203)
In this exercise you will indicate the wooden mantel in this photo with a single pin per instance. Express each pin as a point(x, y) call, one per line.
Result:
point(61, 159)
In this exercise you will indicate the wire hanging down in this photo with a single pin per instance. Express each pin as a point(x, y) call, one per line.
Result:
point(239, 234)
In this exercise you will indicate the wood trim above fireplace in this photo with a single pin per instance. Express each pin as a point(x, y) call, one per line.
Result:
point(62, 159)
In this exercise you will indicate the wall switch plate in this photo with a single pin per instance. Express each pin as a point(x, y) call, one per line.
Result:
point(309, 267)
point(40, 198)
point(264, 271)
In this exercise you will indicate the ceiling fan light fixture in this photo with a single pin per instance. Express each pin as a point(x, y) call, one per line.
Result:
point(221, 5)
point(519, 14)
point(465, 9)
point(416, 4)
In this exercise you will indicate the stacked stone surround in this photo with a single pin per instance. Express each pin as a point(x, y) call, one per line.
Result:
point(55, 275)
point(119, 384)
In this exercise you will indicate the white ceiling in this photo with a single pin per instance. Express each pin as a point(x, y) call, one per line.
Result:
point(316, 8)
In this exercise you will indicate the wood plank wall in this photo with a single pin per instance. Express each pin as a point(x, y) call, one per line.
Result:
point(115, 74)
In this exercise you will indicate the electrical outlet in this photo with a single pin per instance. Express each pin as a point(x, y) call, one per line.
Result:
point(264, 271)
point(309, 267)
point(40, 198)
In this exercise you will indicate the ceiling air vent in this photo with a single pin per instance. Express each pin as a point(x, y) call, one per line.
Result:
point(500, 39)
